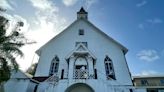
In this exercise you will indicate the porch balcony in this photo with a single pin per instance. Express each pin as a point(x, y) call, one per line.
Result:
point(81, 74)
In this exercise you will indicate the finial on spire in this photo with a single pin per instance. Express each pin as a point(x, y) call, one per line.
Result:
point(82, 14)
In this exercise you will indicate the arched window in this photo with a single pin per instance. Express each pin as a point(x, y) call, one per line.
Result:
point(109, 68)
point(54, 65)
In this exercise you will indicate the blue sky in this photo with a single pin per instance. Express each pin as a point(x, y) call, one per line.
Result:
point(137, 24)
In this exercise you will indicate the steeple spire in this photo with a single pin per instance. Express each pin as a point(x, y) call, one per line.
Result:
point(82, 14)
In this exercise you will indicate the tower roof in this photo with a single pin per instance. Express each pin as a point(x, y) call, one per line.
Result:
point(82, 11)
point(82, 14)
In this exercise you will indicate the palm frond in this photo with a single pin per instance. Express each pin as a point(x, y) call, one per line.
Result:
point(12, 61)
point(13, 50)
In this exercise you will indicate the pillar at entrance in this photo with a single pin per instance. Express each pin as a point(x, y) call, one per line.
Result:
point(71, 67)
point(90, 65)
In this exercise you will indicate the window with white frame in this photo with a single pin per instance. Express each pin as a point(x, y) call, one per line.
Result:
point(54, 65)
point(109, 68)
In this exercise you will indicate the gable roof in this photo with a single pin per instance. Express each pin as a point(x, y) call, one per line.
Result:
point(20, 74)
point(125, 50)
point(80, 48)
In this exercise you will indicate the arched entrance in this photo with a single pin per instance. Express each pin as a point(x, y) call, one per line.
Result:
point(79, 87)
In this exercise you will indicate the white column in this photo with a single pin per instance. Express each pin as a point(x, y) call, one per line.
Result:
point(71, 66)
point(90, 65)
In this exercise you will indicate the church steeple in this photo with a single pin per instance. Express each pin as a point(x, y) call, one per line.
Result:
point(82, 14)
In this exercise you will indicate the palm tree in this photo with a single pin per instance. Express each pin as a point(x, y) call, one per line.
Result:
point(9, 48)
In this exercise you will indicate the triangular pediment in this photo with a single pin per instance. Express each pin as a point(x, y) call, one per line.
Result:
point(80, 49)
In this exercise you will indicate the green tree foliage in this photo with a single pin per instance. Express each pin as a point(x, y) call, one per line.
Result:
point(10, 45)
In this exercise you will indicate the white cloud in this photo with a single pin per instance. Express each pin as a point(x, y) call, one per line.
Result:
point(42, 33)
point(43, 5)
point(29, 52)
point(47, 19)
point(47, 24)
point(148, 55)
point(89, 3)
point(147, 73)
point(26, 25)
point(150, 22)
point(13, 21)
point(25, 61)
point(48, 14)
point(154, 21)
point(5, 4)
point(69, 2)
point(12, 3)
point(141, 3)
point(41, 36)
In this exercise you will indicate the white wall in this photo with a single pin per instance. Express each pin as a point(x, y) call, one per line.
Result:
point(98, 44)
point(140, 90)
point(16, 85)
point(31, 86)
point(96, 85)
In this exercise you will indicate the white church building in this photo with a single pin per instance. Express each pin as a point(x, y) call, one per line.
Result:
point(81, 58)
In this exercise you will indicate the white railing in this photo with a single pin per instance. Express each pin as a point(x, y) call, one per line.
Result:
point(80, 74)
point(53, 79)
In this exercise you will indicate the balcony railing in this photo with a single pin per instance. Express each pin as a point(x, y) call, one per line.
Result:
point(80, 74)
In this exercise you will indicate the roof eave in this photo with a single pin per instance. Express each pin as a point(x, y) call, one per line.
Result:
point(125, 50)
